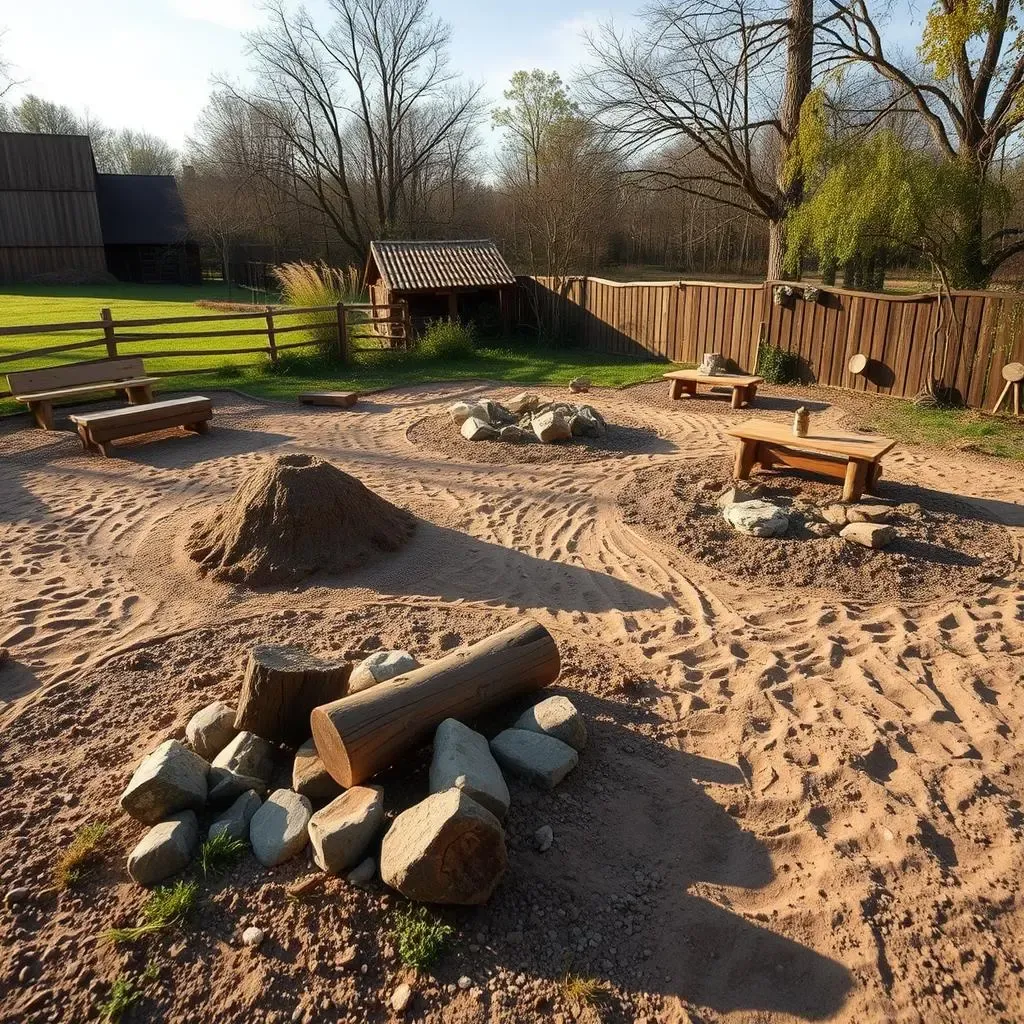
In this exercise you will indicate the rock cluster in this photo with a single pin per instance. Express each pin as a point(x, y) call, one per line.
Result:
point(527, 418)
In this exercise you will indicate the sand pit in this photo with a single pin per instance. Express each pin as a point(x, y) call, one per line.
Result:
point(297, 516)
point(943, 545)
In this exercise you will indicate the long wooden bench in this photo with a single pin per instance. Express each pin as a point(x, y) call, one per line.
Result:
point(684, 382)
point(856, 459)
point(39, 389)
point(98, 429)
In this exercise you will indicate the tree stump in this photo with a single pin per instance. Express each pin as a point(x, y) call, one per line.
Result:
point(368, 731)
point(281, 687)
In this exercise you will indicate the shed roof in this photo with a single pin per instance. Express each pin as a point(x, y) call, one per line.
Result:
point(424, 266)
point(141, 209)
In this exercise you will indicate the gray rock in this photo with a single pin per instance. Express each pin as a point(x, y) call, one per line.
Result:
point(543, 838)
point(235, 820)
point(868, 535)
point(461, 411)
point(245, 763)
point(342, 832)
point(756, 518)
point(172, 778)
point(555, 716)
point(525, 401)
point(445, 849)
point(211, 729)
point(495, 413)
point(379, 667)
point(475, 429)
point(165, 849)
point(512, 434)
point(364, 872)
point(310, 778)
point(278, 830)
point(736, 495)
point(538, 758)
point(550, 426)
point(713, 363)
point(579, 384)
point(462, 760)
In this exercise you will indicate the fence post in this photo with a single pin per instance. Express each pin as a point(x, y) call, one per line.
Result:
point(271, 340)
point(407, 324)
point(342, 333)
point(108, 333)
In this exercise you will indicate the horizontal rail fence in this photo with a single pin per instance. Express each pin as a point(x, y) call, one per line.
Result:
point(681, 320)
point(119, 338)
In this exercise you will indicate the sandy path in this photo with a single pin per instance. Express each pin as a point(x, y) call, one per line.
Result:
point(858, 765)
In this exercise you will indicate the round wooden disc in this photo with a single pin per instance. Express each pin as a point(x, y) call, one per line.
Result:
point(1013, 371)
point(858, 364)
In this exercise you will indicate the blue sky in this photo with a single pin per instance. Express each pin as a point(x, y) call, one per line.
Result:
point(147, 64)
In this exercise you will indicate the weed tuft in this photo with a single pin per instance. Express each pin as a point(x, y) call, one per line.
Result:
point(123, 994)
point(166, 906)
point(220, 852)
point(584, 991)
point(420, 936)
point(82, 852)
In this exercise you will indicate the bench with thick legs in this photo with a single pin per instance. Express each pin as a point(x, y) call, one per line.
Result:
point(97, 429)
point(684, 382)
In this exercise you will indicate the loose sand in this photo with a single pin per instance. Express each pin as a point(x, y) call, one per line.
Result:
point(797, 805)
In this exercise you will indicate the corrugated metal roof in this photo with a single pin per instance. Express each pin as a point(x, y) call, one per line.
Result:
point(434, 265)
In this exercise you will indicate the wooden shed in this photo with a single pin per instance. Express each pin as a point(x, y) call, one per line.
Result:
point(465, 279)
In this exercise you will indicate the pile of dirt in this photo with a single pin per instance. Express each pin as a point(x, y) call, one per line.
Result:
point(942, 545)
point(297, 516)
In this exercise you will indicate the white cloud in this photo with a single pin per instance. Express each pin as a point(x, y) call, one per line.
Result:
point(235, 14)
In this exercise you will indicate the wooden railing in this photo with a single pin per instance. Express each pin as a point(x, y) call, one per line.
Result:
point(120, 337)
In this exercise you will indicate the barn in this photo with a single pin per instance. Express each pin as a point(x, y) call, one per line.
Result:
point(467, 279)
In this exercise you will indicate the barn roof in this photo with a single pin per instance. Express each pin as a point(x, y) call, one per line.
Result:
point(140, 209)
point(437, 265)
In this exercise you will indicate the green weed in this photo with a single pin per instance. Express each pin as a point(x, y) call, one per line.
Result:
point(123, 994)
point(220, 852)
point(166, 906)
point(82, 852)
point(420, 936)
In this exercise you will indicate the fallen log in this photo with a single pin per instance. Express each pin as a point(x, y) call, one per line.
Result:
point(281, 687)
point(368, 731)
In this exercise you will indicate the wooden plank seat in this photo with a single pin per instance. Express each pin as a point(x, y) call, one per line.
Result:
point(856, 459)
point(341, 399)
point(39, 389)
point(684, 382)
point(97, 429)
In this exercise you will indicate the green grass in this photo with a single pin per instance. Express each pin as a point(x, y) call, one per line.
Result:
point(220, 852)
point(420, 936)
point(166, 906)
point(79, 855)
point(123, 994)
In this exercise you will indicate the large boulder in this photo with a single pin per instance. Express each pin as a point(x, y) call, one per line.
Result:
point(462, 760)
point(868, 535)
point(582, 424)
point(512, 434)
point(525, 401)
point(235, 820)
point(495, 413)
point(475, 429)
point(310, 778)
point(172, 778)
point(556, 716)
point(165, 849)
point(278, 830)
point(756, 518)
point(551, 425)
point(379, 667)
point(461, 411)
point(446, 849)
point(245, 763)
point(211, 729)
point(535, 757)
point(342, 832)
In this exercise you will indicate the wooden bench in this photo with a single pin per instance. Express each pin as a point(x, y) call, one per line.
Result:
point(98, 429)
point(684, 382)
point(341, 399)
point(856, 459)
point(39, 389)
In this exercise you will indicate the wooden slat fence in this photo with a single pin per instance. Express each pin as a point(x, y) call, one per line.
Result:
point(681, 320)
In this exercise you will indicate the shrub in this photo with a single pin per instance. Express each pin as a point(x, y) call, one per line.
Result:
point(420, 936)
point(448, 339)
point(776, 365)
point(317, 284)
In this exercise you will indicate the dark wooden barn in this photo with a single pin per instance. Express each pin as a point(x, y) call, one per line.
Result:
point(463, 279)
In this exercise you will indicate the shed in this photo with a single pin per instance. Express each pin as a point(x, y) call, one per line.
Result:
point(465, 279)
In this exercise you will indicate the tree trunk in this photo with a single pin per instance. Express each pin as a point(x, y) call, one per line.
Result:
point(776, 250)
point(363, 734)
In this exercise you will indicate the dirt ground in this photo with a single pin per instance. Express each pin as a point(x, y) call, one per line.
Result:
point(800, 801)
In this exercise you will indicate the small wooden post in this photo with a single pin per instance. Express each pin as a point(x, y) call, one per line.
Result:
point(108, 333)
point(406, 323)
point(271, 340)
point(342, 333)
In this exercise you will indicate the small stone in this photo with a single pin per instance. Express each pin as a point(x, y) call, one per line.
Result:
point(465, 982)
point(245, 763)
point(578, 385)
point(556, 716)
point(278, 830)
point(737, 495)
point(380, 667)
point(165, 849)
point(210, 730)
point(868, 535)
point(363, 873)
point(462, 759)
point(401, 998)
point(834, 514)
point(478, 430)
point(19, 894)
point(343, 830)
point(540, 759)
point(252, 936)
point(868, 514)
point(172, 778)
point(543, 838)
point(235, 820)
point(756, 518)
point(310, 778)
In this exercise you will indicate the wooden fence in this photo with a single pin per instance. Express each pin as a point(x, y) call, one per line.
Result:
point(121, 337)
point(681, 320)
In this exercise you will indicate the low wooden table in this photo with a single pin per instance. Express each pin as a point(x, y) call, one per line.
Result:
point(744, 386)
point(856, 459)
point(97, 429)
point(342, 399)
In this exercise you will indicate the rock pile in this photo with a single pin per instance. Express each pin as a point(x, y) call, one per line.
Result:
point(527, 418)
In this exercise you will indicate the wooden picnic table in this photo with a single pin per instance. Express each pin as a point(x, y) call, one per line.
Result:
point(744, 386)
point(854, 458)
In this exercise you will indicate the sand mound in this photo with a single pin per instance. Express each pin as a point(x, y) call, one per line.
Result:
point(295, 517)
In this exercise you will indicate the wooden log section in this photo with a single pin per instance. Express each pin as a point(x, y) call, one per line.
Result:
point(367, 732)
point(281, 687)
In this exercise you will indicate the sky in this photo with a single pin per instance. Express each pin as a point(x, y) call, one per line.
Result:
point(148, 64)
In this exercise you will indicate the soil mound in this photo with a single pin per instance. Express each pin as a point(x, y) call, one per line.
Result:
point(292, 518)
